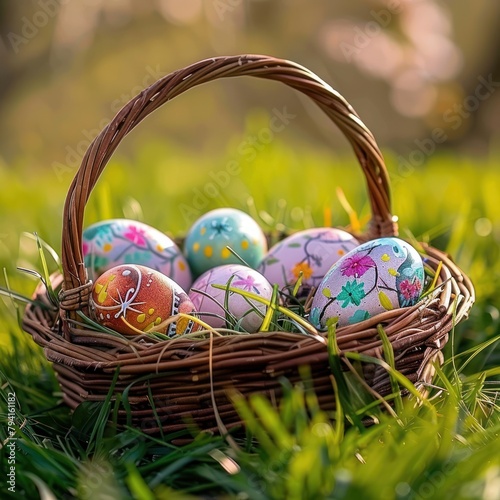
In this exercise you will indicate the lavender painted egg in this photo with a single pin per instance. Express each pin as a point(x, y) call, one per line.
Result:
point(311, 251)
point(208, 238)
point(112, 242)
point(210, 304)
point(379, 275)
point(131, 299)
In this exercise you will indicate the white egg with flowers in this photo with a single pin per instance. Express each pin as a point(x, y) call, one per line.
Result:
point(377, 276)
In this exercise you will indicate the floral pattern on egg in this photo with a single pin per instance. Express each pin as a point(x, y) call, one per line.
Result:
point(208, 239)
point(377, 276)
point(311, 252)
point(209, 301)
point(113, 242)
point(132, 298)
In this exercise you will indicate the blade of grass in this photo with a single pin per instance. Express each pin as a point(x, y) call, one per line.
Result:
point(298, 283)
point(46, 275)
point(270, 310)
point(46, 247)
point(389, 357)
point(252, 423)
point(353, 216)
point(137, 486)
point(281, 309)
point(473, 352)
point(270, 421)
point(401, 379)
point(342, 390)
point(102, 419)
point(43, 489)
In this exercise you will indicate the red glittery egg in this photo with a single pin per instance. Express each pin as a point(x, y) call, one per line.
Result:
point(131, 299)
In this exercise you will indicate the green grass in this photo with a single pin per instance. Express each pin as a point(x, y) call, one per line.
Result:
point(446, 447)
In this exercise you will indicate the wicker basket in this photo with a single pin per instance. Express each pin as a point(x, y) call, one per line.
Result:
point(168, 384)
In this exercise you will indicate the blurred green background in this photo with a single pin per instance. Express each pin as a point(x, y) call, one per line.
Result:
point(422, 75)
point(68, 66)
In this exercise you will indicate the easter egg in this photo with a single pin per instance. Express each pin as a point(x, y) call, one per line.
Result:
point(208, 239)
point(112, 242)
point(379, 275)
point(311, 252)
point(209, 301)
point(131, 299)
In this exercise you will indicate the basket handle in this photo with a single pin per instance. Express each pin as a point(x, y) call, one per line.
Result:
point(76, 284)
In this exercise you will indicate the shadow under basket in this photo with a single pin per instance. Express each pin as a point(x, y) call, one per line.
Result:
point(172, 384)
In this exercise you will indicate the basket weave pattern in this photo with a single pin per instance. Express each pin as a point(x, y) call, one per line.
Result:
point(187, 379)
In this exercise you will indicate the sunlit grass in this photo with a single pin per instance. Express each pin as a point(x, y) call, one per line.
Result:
point(443, 449)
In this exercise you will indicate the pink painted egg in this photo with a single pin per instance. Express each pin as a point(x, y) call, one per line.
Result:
point(209, 301)
point(377, 276)
point(311, 251)
point(113, 242)
point(131, 299)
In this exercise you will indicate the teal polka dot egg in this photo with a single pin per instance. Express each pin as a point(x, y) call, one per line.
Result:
point(113, 242)
point(377, 276)
point(206, 244)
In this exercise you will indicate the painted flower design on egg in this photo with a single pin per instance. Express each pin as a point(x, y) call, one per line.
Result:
point(358, 316)
point(247, 283)
point(303, 268)
point(409, 289)
point(220, 228)
point(357, 265)
point(352, 293)
point(136, 235)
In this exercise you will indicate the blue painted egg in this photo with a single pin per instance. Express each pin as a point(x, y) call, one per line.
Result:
point(210, 301)
point(379, 275)
point(311, 251)
point(113, 242)
point(206, 243)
